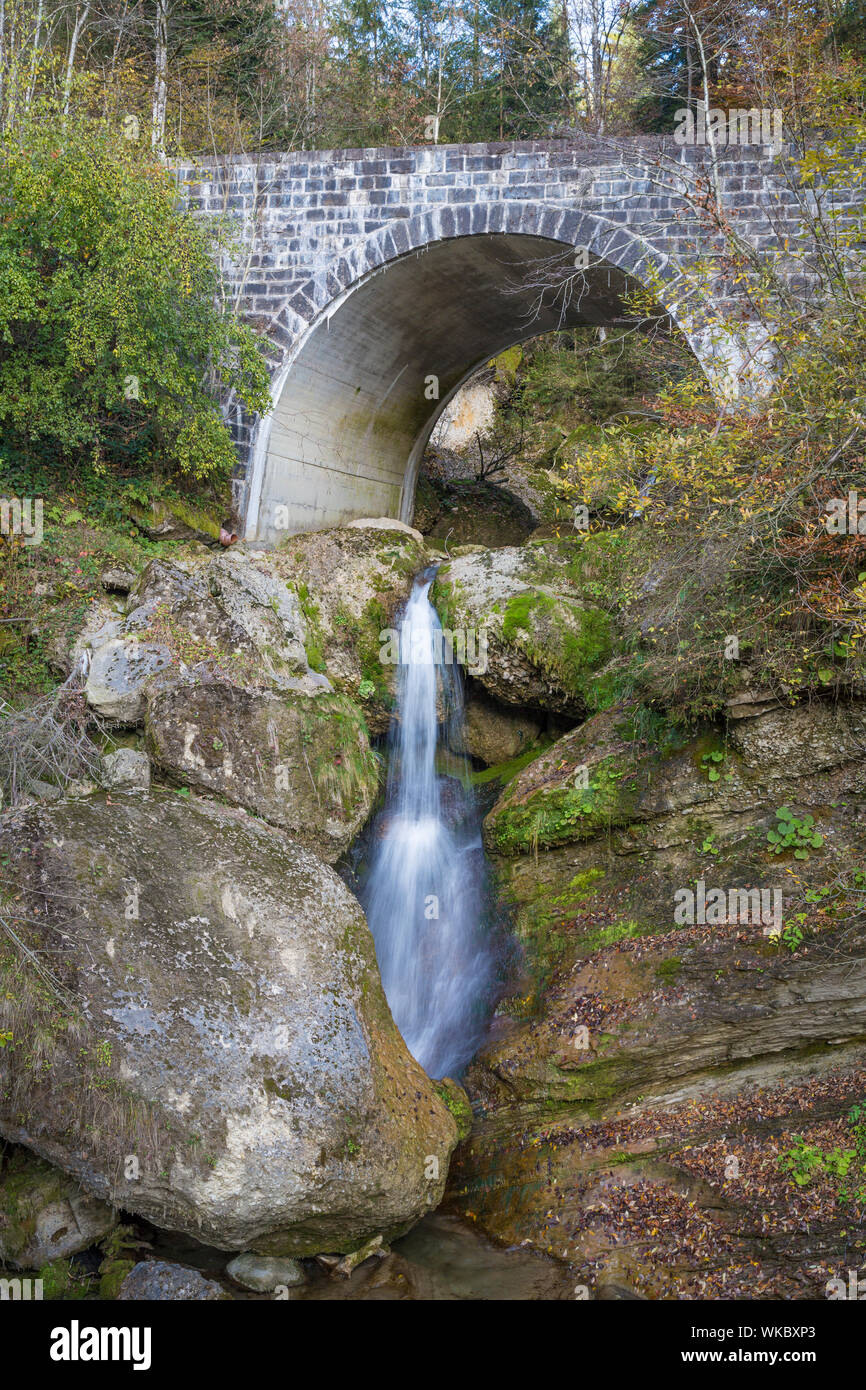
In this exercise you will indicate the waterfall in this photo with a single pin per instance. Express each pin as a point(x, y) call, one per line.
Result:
point(425, 893)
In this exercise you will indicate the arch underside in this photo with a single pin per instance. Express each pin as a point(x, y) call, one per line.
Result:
point(357, 403)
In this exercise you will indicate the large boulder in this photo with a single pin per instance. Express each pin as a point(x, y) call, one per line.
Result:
point(300, 763)
point(541, 641)
point(225, 616)
point(44, 1213)
point(212, 656)
point(199, 1030)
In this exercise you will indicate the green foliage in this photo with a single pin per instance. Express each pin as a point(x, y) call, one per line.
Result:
point(802, 1161)
point(711, 765)
point(844, 1165)
point(113, 347)
point(794, 833)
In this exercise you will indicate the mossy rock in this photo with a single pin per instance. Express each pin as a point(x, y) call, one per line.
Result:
point(217, 1012)
point(303, 763)
point(457, 1101)
point(543, 638)
point(45, 1216)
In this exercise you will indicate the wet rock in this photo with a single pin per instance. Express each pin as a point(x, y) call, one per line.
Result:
point(156, 1281)
point(458, 1103)
point(44, 1214)
point(216, 1003)
point(264, 1273)
point(126, 769)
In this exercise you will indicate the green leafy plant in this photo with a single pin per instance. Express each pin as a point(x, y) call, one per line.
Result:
point(793, 832)
point(803, 1161)
point(713, 765)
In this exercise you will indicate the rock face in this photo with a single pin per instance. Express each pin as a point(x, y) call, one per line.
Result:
point(544, 641)
point(118, 674)
point(127, 769)
point(644, 1058)
point(44, 1214)
point(226, 616)
point(221, 1058)
point(302, 764)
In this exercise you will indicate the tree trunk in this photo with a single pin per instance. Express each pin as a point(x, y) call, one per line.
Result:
point(160, 76)
point(80, 21)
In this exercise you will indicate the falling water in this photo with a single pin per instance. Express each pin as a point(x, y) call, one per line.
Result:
point(426, 888)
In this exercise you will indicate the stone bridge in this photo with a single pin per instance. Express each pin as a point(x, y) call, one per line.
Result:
point(383, 278)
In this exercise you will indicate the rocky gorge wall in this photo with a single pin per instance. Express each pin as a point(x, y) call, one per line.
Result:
point(654, 1084)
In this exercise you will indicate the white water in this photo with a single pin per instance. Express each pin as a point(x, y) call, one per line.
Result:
point(425, 893)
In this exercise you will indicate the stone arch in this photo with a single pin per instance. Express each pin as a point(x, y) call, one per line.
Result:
point(349, 422)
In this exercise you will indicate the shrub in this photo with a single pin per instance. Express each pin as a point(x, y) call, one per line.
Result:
point(114, 348)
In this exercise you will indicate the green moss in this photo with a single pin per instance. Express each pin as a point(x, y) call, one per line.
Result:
point(517, 613)
point(374, 620)
point(616, 931)
point(112, 1276)
point(457, 1102)
point(668, 970)
point(544, 925)
point(335, 722)
point(554, 816)
point(564, 640)
point(505, 772)
point(59, 1282)
point(314, 639)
